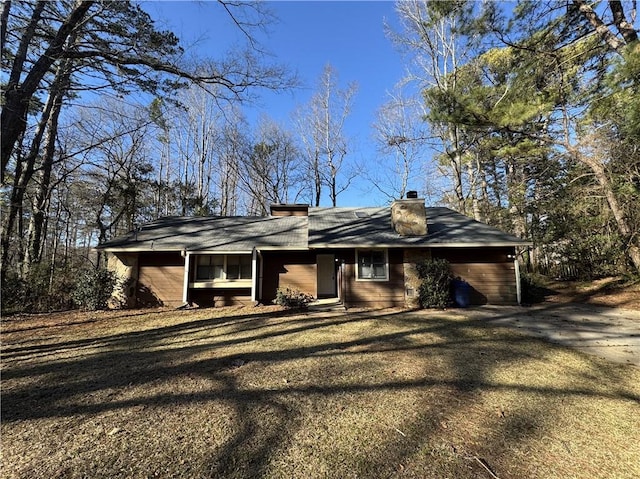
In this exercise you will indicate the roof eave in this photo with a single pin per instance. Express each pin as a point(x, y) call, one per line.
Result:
point(201, 251)
point(123, 249)
point(492, 244)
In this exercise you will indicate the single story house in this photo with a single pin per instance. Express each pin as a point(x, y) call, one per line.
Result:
point(361, 256)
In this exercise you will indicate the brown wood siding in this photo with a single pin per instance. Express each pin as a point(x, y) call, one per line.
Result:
point(160, 279)
point(489, 272)
point(288, 269)
point(379, 294)
point(473, 255)
point(221, 297)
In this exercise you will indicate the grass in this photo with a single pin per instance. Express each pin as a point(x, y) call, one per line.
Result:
point(246, 392)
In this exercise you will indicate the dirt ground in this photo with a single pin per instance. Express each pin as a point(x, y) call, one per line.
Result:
point(614, 292)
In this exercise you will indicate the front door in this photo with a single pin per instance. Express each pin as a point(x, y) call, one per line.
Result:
point(326, 275)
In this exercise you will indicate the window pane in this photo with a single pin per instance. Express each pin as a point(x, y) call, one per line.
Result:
point(233, 271)
point(245, 267)
point(217, 260)
point(365, 271)
point(202, 272)
point(217, 271)
point(377, 257)
point(379, 271)
point(217, 267)
point(210, 267)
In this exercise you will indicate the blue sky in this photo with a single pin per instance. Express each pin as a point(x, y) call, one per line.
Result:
point(348, 35)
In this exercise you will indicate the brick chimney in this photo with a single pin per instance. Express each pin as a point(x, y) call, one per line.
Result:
point(289, 209)
point(409, 216)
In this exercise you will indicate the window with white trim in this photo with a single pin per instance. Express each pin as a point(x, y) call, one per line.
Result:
point(372, 264)
point(223, 267)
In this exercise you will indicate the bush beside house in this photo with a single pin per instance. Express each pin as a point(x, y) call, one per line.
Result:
point(435, 283)
point(292, 298)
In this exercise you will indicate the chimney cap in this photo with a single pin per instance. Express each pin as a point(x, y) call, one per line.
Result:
point(412, 194)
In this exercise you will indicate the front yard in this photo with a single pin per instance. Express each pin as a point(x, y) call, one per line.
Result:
point(256, 392)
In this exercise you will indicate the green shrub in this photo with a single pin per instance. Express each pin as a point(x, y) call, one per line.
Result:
point(435, 283)
point(15, 295)
point(41, 291)
point(532, 286)
point(94, 288)
point(292, 298)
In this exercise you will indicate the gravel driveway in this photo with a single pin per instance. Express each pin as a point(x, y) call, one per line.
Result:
point(611, 333)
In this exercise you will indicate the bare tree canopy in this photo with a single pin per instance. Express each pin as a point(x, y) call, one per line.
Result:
point(116, 45)
point(61, 55)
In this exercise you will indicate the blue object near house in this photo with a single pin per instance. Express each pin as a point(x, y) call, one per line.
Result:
point(461, 293)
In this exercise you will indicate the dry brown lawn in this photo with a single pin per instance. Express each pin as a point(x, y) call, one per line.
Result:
point(616, 292)
point(257, 392)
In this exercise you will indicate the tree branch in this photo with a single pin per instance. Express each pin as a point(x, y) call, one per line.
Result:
point(601, 29)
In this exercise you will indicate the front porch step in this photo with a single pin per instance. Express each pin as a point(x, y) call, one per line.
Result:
point(326, 304)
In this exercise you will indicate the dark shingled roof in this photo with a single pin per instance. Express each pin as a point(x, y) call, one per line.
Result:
point(323, 228)
point(350, 227)
point(230, 233)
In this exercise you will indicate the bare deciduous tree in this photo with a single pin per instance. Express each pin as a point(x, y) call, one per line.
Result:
point(401, 136)
point(436, 50)
point(321, 126)
point(271, 171)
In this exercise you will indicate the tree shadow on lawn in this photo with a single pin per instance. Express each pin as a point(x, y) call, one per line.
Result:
point(277, 383)
point(143, 337)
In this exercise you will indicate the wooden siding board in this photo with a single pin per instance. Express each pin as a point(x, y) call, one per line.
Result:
point(160, 285)
point(374, 293)
point(299, 276)
point(490, 283)
point(489, 271)
point(293, 269)
point(221, 297)
point(474, 255)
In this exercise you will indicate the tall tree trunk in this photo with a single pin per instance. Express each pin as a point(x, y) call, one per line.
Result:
point(455, 162)
point(333, 195)
point(317, 178)
point(167, 201)
point(474, 187)
point(185, 187)
point(54, 250)
point(4, 21)
point(516, 196)
point(23, 174)
point(13, 120)
point(58, 90)
point(628, 235)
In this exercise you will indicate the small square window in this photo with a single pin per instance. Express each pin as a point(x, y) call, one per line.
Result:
point(372, 265)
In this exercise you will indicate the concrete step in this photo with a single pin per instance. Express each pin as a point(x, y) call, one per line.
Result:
point(326, 304)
